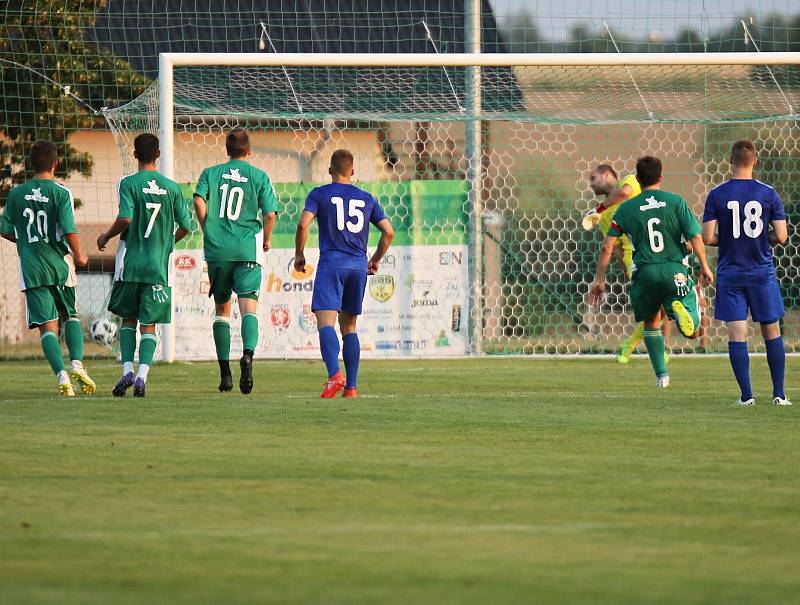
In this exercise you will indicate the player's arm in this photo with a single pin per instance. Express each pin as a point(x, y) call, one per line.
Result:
point(710, 236)
point(779, 232)
point(300, 239)
point(180, 216)
point(615, 197)
point(117, 227)
point(268, 202)
point(200, 197)
point(387, 235)
point(598, 288)
point(269, 225)
point(7, 230)
point(699, 249)
point(66, 221)
point(74, 243)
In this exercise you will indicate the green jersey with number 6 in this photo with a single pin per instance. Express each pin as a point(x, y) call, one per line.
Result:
point(39, 213)
point(154, 204)
point(235, 192)
point(657, 223)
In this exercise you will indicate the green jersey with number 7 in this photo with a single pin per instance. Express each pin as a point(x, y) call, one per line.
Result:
point(234, 193)
point(657, 223)
point(154, 204)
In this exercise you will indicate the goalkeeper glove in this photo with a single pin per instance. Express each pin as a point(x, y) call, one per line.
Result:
point(592, 217)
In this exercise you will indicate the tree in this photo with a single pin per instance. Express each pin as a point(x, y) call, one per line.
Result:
point(42, 42)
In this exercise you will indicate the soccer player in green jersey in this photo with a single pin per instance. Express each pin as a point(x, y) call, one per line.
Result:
point(657, 223)
point(39, 218)
point(236, 206)
point(150, 206)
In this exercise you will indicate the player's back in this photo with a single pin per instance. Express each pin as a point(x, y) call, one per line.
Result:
point(657, 223)
point(41, 212)
point(344, 213)
point(743, 209)
point(234, 193)
point(154, 204)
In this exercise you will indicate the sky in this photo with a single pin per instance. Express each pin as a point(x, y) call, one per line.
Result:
point(640, 18)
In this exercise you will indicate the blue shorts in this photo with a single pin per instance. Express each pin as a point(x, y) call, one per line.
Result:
point(763, 300)
point(339, 290)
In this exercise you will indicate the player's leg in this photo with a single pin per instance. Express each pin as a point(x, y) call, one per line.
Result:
point(352, 300)
point(646, 296)
point(220, 276)
point(73, 335)
point(127, 349)
point(326, 302)
point(766, 305)
point(155, 307)
point(705, 320)
point(247, 285)
point(624, 252)
point(147, 348)
point(682, 304)
point(41, 313)
point(730, 306)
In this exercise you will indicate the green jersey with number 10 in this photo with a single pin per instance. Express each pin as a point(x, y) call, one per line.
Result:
point(154, 204)
point(235, 192)
point(657, 223)
point(39, 213)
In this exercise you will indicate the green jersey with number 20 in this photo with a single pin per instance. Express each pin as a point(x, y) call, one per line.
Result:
point(657, 223)
point(235, 192)
point(39, 213)
point(154, 204)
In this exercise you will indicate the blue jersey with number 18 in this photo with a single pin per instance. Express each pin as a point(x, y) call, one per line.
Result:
point(344, 213)
point(743, 209)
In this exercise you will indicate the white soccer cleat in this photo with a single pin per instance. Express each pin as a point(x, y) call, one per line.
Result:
point(746, 403)
point(65, 388)
point(781, 401)
point(662, 382)
point(79, 375)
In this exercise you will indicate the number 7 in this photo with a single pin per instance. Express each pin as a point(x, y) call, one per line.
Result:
point(155, 208)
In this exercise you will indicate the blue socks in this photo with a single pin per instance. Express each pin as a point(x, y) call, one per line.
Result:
point(776, 359)
point(740, 362)
point(329, 347)
point(351, 351)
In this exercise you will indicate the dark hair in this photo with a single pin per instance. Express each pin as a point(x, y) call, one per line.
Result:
point(743, 153)
point(237, 143)
point(605, 169)
point(146, 147)
point(43, 155)
point(341, 161)
point(648, 170)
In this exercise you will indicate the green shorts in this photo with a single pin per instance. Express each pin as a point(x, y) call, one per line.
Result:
point(48, 303)
point(148, 303)
point(661, 284)
point(226, 277)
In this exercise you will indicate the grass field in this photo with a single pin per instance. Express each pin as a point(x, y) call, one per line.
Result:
point(469, 481)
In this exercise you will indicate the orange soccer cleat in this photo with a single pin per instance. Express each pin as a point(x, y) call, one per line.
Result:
point(334, 385)
point(350, 393)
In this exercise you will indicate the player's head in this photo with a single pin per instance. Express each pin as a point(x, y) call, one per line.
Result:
point(743, 154)
point(648, 171)
point(237, 143)
point(603, 179)
point(341, 164)
point(44, 156)
point(145, 148)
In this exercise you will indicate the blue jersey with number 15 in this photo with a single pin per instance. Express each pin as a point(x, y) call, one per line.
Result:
point(743, 209)
point(344, 213)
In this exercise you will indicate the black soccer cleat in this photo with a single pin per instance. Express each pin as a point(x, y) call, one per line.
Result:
point(225, 383)
point(246, 379)
point(123, 385)
point(138, 388)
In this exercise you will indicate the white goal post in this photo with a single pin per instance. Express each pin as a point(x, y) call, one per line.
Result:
point(473, 112)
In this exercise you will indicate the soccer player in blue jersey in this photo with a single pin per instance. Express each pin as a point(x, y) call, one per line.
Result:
point(737, 218)
point(344, 213)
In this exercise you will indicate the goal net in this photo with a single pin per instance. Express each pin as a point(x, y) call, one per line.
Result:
point(482, 163)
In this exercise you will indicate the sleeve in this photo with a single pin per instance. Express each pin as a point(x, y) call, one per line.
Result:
point(180, 212)
point(311, 204)
point(615, 230)
point(777, 208)
point(201, 189)
point(267, 198)
point(125, 200)
point(689, 225)
point(377, 213)
point(710, 209)
point(6, 226)
point(66, 212)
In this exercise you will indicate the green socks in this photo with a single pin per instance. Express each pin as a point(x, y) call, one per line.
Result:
point(249, 332)
point(52, 350)
point(222, 338)
point(654, 342)
point(147, 348)
point(127, 344)
point(73, 334)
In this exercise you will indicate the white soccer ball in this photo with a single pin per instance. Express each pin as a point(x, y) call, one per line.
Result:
point(103, 331)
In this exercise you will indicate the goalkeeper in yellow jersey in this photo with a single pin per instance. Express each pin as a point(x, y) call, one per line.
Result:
point(604, 181)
